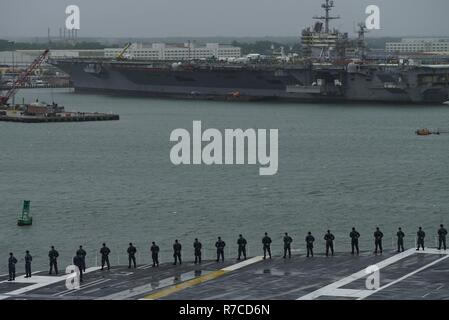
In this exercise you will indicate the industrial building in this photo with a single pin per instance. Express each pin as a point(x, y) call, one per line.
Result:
point(155, 51)
point(410, 45)
point(66, 53)
point(186, 51)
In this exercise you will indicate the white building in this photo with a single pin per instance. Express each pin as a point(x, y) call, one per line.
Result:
point(419, 45)
point(186, 51)
point(69, 53)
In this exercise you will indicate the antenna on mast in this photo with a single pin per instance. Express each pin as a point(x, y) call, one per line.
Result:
point(327, 17)
point(361, 45)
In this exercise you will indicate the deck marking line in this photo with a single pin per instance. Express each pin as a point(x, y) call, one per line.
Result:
point(68, 290)
point(329, 289)
point(82, 287)
point(433, 251)
point(37, 282)
point(144, 266)
point(351, 293)
point(370, 292)
point(149, 287)
point(201, 279)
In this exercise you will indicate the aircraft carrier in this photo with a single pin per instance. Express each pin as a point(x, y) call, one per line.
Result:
point(417, 275)
point(333, 68)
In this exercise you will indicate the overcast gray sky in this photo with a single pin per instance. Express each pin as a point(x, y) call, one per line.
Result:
point(165, 18)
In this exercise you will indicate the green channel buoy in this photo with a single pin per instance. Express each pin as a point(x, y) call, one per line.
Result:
point(25, 219)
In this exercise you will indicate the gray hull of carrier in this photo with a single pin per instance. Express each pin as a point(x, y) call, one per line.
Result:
point(318, 82)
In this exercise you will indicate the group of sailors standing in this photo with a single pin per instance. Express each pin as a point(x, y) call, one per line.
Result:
point(80, 258)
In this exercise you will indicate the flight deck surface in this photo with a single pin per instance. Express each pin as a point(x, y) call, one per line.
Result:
point(408, 275)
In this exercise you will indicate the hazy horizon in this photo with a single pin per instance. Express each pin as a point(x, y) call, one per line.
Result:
point(213, 18)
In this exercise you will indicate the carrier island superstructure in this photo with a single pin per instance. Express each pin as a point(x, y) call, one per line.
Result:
point(333, 68)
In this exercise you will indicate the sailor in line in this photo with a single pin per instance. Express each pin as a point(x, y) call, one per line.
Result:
point(442, 232)
point(131, 255)
point(287, 246)
point(53, 256)
point(155, 254)
point(220, 244)
point(78, 261)
point(354, 235)
point(266, 241)
point(309, 243)
point(241, 242)
point(12, 267)
point(197, 246)
point(105, 251)
point(378, 235)
point(400, 234)
point(420, 235)
point(82, 253)
point(28, 259)
point(177, 252)
point(329, 238)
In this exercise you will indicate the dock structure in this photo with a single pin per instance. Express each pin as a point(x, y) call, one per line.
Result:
point(407, 275)
point(68, 117)
point(45, 86)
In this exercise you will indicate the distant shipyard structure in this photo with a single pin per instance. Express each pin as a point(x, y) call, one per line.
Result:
point(413, 45)
point(333, 68)
point(66, 53)
point(156, 51)
point(322, 42)
point(176, 52)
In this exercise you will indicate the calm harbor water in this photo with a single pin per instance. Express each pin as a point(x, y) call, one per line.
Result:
point(339, 166)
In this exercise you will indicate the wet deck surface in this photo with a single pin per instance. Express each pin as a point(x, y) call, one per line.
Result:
point(409, 275)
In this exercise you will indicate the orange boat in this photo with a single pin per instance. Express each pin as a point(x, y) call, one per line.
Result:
point(423, 132)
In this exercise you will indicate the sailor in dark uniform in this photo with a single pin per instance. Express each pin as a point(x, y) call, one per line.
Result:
point(354, 235)
point(220, 245)
point(400, 234)
point(82, 253)
point(420, 235)
point(287, 246)
point(53, 256)
point(309, 243)
point(378, 235)
point(28, 259)
point(78, 261)
point(197, 246)
point(241, 242)
point(12, 267)
point(266, 241)
point(155, 254)
point(105, 251)
point(442, 232)
point(131, 255)
point(177, 252)
point(329, 238)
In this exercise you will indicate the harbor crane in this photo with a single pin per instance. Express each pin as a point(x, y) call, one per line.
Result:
point(121, 55)
point(21, 79)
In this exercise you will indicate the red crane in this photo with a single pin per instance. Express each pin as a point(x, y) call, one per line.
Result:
point(21, 79)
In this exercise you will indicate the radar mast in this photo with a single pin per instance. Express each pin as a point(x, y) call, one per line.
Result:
point(327, 17)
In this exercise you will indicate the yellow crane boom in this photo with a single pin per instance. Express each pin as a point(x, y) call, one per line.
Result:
point(120, 56)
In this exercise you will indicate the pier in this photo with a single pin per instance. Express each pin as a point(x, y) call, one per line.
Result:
point(66, 117)
point(40, 86)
